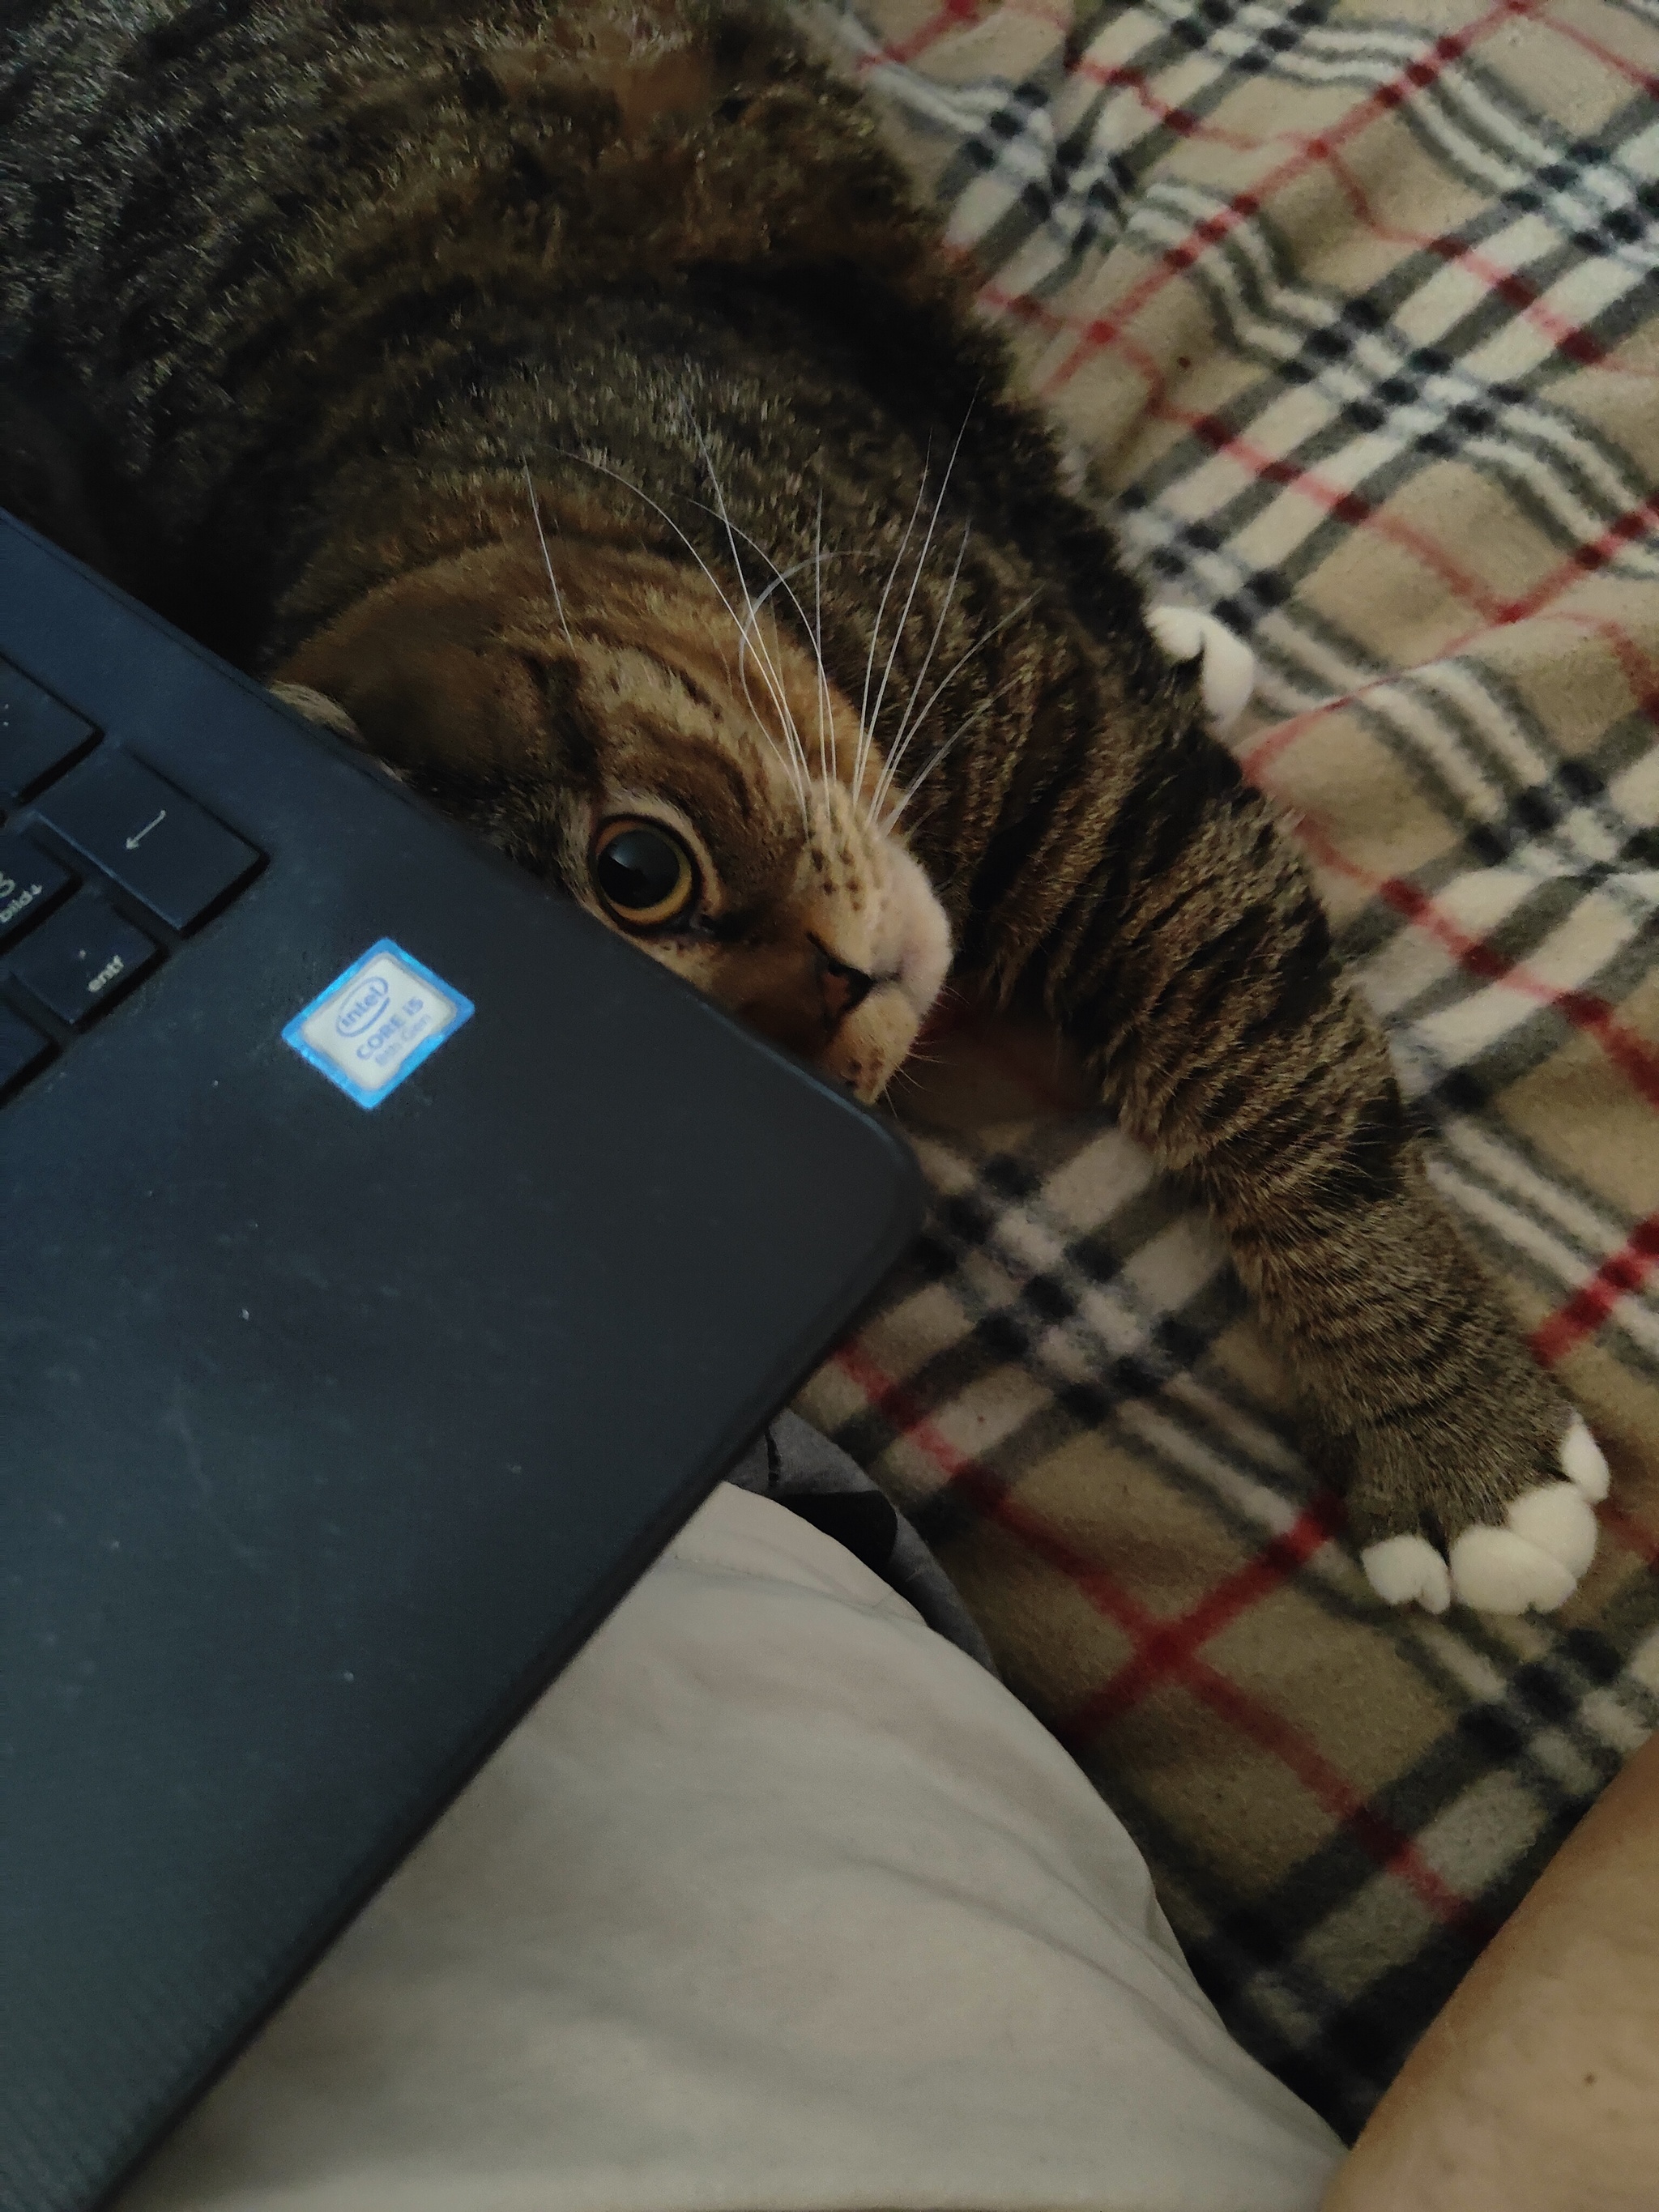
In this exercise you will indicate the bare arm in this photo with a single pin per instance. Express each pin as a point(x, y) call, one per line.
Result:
point(1537, 2087)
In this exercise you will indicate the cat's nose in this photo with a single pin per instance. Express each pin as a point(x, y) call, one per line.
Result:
point(841, 986)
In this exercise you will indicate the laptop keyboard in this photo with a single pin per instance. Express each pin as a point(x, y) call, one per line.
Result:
point(105, 866)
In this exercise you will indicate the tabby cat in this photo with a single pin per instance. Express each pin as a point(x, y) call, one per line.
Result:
point(570, 400)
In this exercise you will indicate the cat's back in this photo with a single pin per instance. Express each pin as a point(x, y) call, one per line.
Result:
point(196, 194)
point(197, 147)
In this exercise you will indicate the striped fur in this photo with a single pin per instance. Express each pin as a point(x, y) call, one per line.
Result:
point(345, 288)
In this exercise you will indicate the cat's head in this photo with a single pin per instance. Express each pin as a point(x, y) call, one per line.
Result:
point(632, 742)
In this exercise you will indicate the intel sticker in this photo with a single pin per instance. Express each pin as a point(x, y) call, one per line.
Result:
point(377, 1023)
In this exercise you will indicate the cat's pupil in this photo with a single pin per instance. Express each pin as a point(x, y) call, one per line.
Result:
point(643, 872)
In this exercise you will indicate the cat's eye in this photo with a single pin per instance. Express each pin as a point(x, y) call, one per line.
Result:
point(643, 873)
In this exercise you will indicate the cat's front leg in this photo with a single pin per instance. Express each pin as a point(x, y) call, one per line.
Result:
point(1467, 1474)
point(1193, 967)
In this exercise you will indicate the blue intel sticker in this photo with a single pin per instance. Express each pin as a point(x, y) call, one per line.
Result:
point(377, 1023)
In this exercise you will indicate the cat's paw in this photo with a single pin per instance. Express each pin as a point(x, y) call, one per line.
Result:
point(317, 707)
point(1229, 673)
point(1533, 1560)
point(1404, 1569)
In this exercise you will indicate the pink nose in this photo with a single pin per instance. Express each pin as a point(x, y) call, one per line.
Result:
point(841, 987)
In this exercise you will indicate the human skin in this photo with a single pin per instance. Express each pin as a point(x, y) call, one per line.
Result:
point(1536, 2089)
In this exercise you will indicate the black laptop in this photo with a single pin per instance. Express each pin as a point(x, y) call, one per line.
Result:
point(392, 1260)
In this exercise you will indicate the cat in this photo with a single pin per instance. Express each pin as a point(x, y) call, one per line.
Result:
point(572, 402)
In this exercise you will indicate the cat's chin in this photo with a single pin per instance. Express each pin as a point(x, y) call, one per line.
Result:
point(873, 1044)
point(870, 1048)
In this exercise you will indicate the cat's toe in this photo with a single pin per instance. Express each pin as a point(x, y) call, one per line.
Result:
point(1501, 1571)
point(1559, 1520)
point(1228, 677)
point(1582, 1462)
point(1535, 1560)
point(1179, 631)
point(1404, 1569)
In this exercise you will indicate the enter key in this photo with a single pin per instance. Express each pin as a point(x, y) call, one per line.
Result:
point(160, 846)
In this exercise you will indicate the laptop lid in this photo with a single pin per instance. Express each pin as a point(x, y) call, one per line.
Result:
point(349, 1375)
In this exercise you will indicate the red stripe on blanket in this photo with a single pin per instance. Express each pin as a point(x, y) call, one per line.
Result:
point(1638, 670)
point(1165, 1649)
point(1629, 1053)
point(1567, 339)
point(1390, 1847)
point(1619, 1274)
point(1452, 45)
point(1575, 345)
point(1348, 506)
point(943, 19)
point(1354, 508)
point(1124, 77)
point(1616, 62)
point(1585, 560)
point(1121, 76)
point(1341, 503)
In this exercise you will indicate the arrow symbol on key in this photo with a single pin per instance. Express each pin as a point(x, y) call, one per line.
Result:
point(133, 843)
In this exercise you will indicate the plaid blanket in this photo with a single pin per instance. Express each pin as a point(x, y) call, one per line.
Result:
point(1351, 314)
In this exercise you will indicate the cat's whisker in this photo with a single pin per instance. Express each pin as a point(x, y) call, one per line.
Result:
point(781, 582)
point(951, 674)
point(968, 721)
point(750, 641)
point(656, 506)
point(536, 516)
point(793, 754)
point(938, 693)
point(639, 491)
point(910, 722)
point(784, 755)
point(915, 581)
point(774, 681)
point(866, 729)
point(817, 637)
point(814, 628)
point(739, 677)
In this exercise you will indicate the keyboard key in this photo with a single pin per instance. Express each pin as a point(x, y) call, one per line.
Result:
point(21, 1049)
point(30, 883)
point(82, 958)
point(39, 734)
point(156, 844)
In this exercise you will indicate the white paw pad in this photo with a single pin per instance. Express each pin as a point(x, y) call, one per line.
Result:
point(1229, 673)
point(1559, 1520)
point(1547, 1542)
point(1582, 1462)
point(1497, 1570)
point(1535, 1560)
point(1403, 1568)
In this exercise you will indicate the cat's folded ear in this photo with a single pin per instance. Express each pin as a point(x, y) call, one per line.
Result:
point(420, 673)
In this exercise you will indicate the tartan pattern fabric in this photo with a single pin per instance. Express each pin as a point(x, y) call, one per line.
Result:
point(1351, 316)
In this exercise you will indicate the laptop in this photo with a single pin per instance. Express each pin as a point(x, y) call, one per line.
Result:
point(394, 1258)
